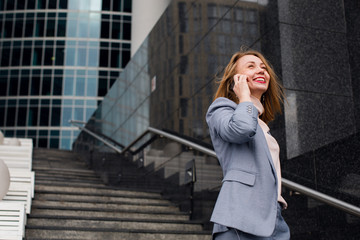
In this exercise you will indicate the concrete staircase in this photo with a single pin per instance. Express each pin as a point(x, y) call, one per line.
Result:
point(71, 202)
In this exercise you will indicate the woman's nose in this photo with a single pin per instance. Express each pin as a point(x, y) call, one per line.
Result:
point(260, 70)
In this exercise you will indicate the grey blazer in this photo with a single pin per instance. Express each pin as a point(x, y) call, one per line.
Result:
point(248, 197)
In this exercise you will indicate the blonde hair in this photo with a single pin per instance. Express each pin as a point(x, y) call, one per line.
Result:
point(271, 99)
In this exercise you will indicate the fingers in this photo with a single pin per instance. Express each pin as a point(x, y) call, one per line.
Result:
point(241, 87)
point(240, 78)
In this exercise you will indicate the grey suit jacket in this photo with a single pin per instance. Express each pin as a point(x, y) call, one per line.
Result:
point(248, 197)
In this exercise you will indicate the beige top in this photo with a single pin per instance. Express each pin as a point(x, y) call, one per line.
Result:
point(273, 147)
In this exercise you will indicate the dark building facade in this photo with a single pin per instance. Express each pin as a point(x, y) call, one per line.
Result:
point(314, 48)
point(58, 58)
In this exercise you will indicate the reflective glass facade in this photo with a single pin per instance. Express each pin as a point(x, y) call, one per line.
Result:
point(58, 58)
point(170, 83)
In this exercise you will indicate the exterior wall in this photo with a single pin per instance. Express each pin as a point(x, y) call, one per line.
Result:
point(58, 59)
point(314, 48)
point(144, 16)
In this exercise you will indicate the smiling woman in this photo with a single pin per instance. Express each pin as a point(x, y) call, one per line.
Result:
point(249, 204)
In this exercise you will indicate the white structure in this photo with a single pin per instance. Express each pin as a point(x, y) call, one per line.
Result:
point(145, 14)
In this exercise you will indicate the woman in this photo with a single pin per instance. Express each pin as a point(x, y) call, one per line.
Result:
point(249, 203)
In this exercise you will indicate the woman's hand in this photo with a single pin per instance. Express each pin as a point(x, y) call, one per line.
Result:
point(241, 88)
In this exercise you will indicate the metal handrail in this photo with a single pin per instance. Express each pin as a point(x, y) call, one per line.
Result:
point(107, 143)
point(339, 204)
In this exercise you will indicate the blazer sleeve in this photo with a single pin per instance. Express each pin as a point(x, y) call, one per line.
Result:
point(235, 123)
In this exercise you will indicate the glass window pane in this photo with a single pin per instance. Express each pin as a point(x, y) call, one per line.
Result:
point(104, 58)
point(3, 86)
point(46, 86)
point(15, 56)
point(80, 86)
point(39, 30)
point(63, 4)
point(57, 90)
point(26, 59)
point(55, 116)
point(66, 116)
point(42, 143)
point(126, 31)
point(10, 5)
point(41, 4)
point(10, 117)
point(49, 57)
point(20, 4)
point(19, 25)
point(37, 56)
point(102, 90)
point(71, 30)
point(21, 119)
point(69, 86)
point(24, 86)
point(13, 88)
point(50, 28)
point(105, 29)
point(93, 57)
point(125, 58)
point(35, 86)
point(106, 5)
point(89, 113)
point(33, 116)
point(65, 144)
point(59, 56)
point(52, 4)
point(94, 25)
point(61, 28)
point(30, 4)
point(83, 26)
point(81, 57)
point(79, 114)
point(115, 58)
point(5, 57)
point(54, 142)
point(2, 115)
point(127, 6)
point(91, 87)
point(70, 56)
point(115, 34)
point(117, 6)
point(8, 28)
point(44, 116)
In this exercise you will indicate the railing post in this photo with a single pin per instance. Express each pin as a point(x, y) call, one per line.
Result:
point(190, 179)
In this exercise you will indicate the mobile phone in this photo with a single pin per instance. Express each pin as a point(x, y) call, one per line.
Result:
point(232, 85)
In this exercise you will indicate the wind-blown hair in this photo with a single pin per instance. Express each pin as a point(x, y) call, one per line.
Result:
point(271, 99)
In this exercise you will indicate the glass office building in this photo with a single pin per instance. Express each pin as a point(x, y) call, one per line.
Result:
point(58, 59)
point(171, 80)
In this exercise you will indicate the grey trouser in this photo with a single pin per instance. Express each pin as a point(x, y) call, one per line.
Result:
point(281, 232)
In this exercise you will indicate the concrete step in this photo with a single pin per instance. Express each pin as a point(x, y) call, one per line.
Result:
point(99, 199)
point(109, 206)
point(68, 183)
point(68, 178)
point(96, 191)
point(101, 224)
point(65, 173)
point(114, 234)
point(72, 202)
point(108, 214)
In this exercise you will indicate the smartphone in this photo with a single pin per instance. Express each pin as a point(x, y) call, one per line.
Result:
point(232, 85)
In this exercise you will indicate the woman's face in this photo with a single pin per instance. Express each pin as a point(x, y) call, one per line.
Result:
point(257, 75)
